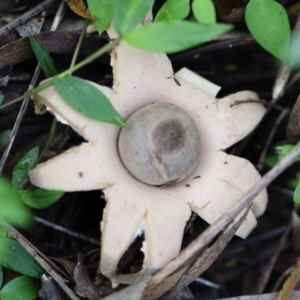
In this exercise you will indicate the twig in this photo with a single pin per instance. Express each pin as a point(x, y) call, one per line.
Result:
point(67, 231)
point(290, 283)
point(262, 282)
point(278, 121)
point(272, 296)
point(50, 82)
point(280, 82)
point(284, 71)
point(208, 257)
point(206, 237)
point(38, 256)
point(207, 283)
point(58, 17)
point(16, 125)
point(79, 43)
point(24, 17)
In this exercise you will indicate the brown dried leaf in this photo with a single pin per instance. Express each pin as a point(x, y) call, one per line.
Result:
point(84, 286)
point(68, 265)
point(293, 127)
point(230, 10)
point(48, 290)
point(78, 6)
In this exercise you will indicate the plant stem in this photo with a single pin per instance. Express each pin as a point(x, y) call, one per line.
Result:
point(90, 58)
point(50, 82)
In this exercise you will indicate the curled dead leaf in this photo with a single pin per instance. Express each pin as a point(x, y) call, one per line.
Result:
point(78, 7)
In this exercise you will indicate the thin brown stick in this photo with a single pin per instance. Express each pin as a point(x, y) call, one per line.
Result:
point(262, 282)
point(67, 231)
point(278, 121)
point(208, 257)
point(13, 134)
point(284, 71)
point(206, 237)
point(24, 17)
point(39, 257)
point(290, 283)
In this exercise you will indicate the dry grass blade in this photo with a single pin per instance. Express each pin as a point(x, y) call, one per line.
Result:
point(290, 283)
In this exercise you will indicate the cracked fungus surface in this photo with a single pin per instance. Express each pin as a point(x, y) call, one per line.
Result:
point(217, 182)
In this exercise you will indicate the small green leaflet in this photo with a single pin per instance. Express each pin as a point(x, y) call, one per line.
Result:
point(173, 10)
point(103, 12)
point(24, 165)
point(1, 99)
point(284, 150)
point(43, 57)
point(204, 11)
point(129, 13)
point(87, 100)
point(271, 160)
point(12, 208)
point(173, 36)
point(15, 257)
point(268, 22)
point(40, 198)
point(21, 288)
point(296, 196)
point(4, 137)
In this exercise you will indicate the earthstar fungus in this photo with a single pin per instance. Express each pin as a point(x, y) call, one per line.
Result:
point(209, 188)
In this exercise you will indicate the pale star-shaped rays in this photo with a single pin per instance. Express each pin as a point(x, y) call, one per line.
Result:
point(142, 78)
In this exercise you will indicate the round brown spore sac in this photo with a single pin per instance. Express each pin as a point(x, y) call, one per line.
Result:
point(160, 145)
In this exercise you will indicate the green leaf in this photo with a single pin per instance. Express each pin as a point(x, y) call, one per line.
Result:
point(24, 165)
point(173, 10)
point(87, 100)
point(1, 99)
point(15, 257)
point(103, 12)
point(21, 288)
point(271, 160)
point(284, 150)
point(40, 198)
point(204, 11)
point(4, 137)
point(129, 13)
point(12, 208)
point(296, 196)
point(173, 36)
point(43, 57)
point(1, 276)
point(268, 22)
